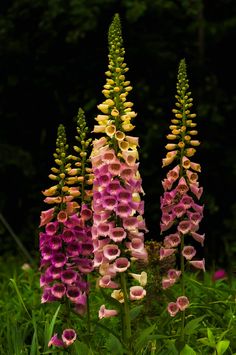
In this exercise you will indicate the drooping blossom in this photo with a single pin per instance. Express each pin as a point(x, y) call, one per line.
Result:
point(181, 210)
point(106, 313)
point(65, 238)
point(68, 337)
point(118, 225)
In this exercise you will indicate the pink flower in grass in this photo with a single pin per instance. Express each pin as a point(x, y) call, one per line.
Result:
point(55, 341)
point(68, 337)
point(173, 309)
point(219, 274)
point(182, 302)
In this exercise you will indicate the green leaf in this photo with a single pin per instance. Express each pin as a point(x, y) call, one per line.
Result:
point(204, 341)
point(34, 345)
point(33, 348)
point(49, 328)
point(170, 348)
point(135, 312)
point(109, 330)
point(187, 350)
point(144, 337)
point(82, 348)
point(211, 337)
point(114, 345)
point(222, 346)
point(192, 325)
point(20, 297)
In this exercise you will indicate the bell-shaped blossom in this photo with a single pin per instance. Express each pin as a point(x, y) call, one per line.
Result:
point(182, 302)
point(199, 264)
point(106, 282)
point(118, 295)
point(106, 313)
point(68, 337)
point(165, 252)
point(137, 293)
point(141, 278)
point(167, 282)
point(173, 309)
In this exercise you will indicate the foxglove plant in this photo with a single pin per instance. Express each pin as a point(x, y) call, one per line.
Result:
point(118, 224)
point(181, 210)
point(65, 237)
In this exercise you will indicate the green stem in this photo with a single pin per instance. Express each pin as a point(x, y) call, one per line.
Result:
point(88, 314)
point(126, 323)
point(182, 287)
point(182, 264)
point(83, 174)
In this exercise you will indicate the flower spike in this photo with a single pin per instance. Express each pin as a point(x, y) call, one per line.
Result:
point(181, 211)
point(65, 238)
point(118, 225)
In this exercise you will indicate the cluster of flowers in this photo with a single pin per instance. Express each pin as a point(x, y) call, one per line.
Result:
point(181, 211)
point(118, 224)
point(65, 236)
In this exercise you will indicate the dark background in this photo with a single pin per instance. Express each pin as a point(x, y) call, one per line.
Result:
point(53, 55)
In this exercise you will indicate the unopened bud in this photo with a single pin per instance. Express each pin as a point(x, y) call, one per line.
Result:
point(178, 115)
point(116, 89)
point(170, 146)
point(128, 88)
point(171, 136)
point(193, 133)
point(53, 177)
point(194, 143)
point(58, 161)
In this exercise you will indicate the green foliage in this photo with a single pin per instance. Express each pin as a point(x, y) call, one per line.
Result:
point(52, 56)
point(27, 325)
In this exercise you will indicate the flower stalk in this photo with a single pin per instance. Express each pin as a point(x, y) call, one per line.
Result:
point(118, 224)
point(65, 237)
point(181, 211)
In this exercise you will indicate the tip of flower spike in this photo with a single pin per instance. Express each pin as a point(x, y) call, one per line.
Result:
point(114, 32)
point(182, 64)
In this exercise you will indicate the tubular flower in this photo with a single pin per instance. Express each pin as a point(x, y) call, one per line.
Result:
point(68, 337)
point(117, 187)
point(65, 237)
point(181, 211)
